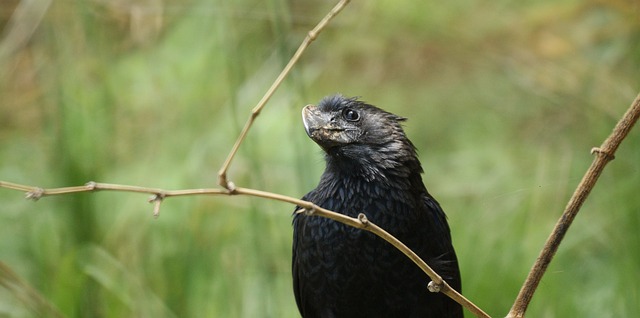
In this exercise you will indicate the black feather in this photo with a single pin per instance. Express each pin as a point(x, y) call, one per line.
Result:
point(372, 168)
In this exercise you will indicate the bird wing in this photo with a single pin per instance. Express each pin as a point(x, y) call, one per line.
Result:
point(298, 224)
point(294, 263)
point(445, 264)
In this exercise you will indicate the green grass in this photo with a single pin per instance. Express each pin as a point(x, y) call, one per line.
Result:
point(504, 102)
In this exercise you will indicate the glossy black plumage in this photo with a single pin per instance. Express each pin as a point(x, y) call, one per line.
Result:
point(372, 167)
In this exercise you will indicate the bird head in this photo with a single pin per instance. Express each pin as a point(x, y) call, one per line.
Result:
point(352, 129)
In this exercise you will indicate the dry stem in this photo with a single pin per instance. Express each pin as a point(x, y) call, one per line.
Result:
point(604, 154)
point(438, 284)
point(311, 36)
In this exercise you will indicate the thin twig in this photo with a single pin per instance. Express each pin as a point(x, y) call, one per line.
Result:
point(35, 193)
point(158, 195)
point(361, 222)
point(311, 36)
point(604, 154)
point(437, 284)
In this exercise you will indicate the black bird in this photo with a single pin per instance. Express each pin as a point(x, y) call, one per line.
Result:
point(371, 168)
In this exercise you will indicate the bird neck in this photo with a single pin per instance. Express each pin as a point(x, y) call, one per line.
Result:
point(383, 163)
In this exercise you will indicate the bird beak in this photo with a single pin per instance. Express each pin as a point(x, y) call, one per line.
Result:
point(321, 127)
point(312, 119)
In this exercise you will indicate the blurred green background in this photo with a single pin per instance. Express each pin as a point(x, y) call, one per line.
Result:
point(504, 99)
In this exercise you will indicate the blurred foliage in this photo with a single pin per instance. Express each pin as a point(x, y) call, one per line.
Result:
point(505, 100)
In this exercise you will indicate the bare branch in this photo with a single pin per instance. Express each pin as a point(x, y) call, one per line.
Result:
point(35, 193)
point(361, 222)
point(604, 154)
point(311, 36)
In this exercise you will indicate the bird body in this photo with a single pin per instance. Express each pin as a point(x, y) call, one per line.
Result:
point(372, 168)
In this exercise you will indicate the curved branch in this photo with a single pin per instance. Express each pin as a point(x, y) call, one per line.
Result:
point(311, 36)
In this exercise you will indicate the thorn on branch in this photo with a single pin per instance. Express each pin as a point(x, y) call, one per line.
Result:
point(433, 287)
point(156, 199)
point(609, 156)
point(35, 194)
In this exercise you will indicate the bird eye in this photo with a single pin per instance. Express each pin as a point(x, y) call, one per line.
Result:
point(350, 114)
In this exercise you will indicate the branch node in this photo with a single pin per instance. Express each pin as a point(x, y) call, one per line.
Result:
point(310, 211)
point(91, 185)
point(35, 194)
point(312, 36)
point(607, 155)
point(433, 287)
point(363, 219)
point(231, 187)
